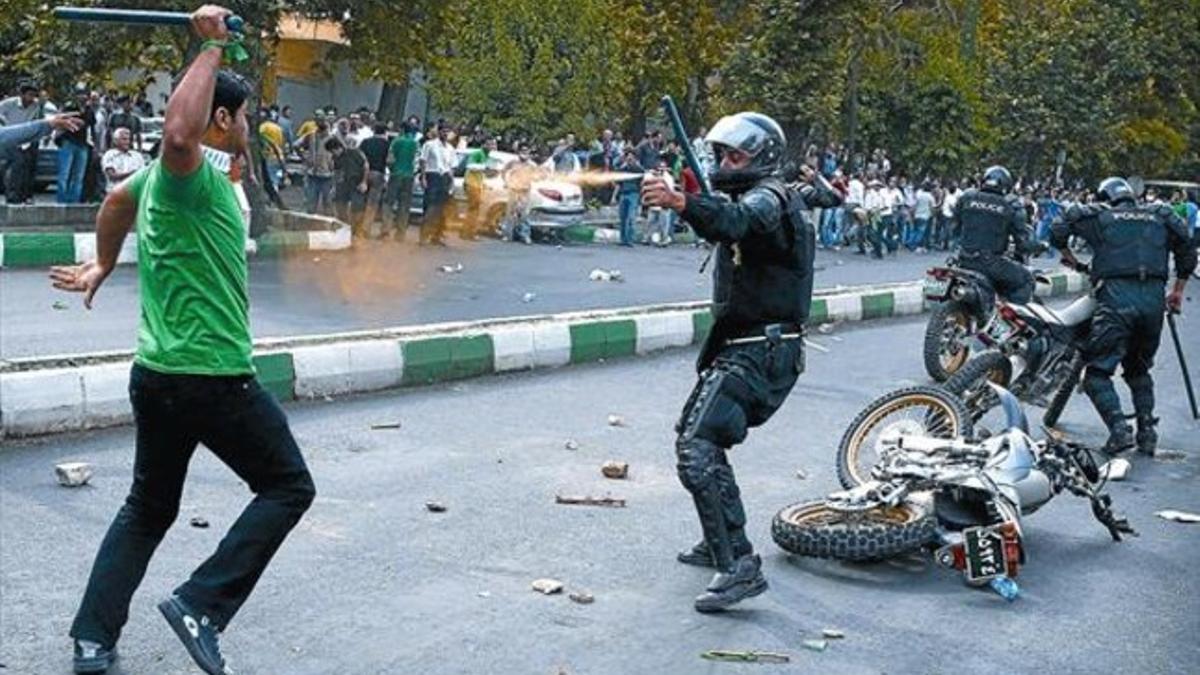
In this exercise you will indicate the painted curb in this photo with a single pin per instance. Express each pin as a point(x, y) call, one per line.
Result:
point(55, 394)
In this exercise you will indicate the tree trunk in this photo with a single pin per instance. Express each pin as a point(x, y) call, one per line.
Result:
point(853, 73)
point(392, 100)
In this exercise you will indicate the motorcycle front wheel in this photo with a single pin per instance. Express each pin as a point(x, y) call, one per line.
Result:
point(970, 383)
point(925, 410)
point(951, 325)
point(815, 530)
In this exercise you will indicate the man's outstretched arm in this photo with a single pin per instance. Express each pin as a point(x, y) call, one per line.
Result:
point(190, 106)
point(114, 221)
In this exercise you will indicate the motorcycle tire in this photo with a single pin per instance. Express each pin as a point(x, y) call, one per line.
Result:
point(814, 530)
point(969, 382)
point(940, 370)
point(1059, 402)
point(933, 398)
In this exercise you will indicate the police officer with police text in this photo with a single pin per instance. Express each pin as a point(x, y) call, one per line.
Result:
point(755, 350)
point(987, 219)
point(1129, 270)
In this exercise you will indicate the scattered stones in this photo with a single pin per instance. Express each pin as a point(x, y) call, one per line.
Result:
point(451, 269)
point(1170, 456)
point(547, 586)
point(615, 420)
point(59, 304)
point(1178, 516)
point(198, 523)
point(800, 474)
point(582, 597)
point(483, 594)
point(385, 425)
point(833, 634)
point(435, 507)
point(825, 328)
point(571, 444)
point(1115, 470)
point(528, 297)
point(815, 645)
point(615, 470)
point(73, 474)
point(745, 656)
point(615, 502)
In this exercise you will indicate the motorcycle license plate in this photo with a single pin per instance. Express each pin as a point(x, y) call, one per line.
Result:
point(984, 553)
point(935, 289)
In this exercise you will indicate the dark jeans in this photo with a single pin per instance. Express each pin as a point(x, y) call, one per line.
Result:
point(18, 181)
point(437, 193)
point(398, 204)
point(240, 423)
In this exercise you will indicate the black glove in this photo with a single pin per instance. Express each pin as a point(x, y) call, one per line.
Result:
point(1083, 268)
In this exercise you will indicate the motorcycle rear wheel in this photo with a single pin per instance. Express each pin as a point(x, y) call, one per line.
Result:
point(922, 409)
point(815, 530)
point(1059, 402)
point(943, 359)
point(970, 383)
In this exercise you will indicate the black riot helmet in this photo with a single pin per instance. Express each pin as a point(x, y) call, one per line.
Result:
point(1114, 190)
point(755, 134)
point(997, 179)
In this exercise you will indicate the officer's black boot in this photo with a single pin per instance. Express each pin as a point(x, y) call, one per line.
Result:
point(1099, 388)
point(1147, 437)
point(699, 555)
point(727, 588)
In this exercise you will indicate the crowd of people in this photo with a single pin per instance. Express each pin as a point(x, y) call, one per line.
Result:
point(107, 145)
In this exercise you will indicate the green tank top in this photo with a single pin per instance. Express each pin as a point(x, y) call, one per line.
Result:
point(192, 273)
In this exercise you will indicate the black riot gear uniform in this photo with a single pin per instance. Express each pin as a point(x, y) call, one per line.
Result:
point(750, 359)
point(987, 221)
point(1129, 271)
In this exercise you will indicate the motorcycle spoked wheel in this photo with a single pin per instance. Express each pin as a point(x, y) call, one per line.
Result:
point(925, 409)
point(1057, 404)
point(970, 383)
point(946, 349)
point(815, 530)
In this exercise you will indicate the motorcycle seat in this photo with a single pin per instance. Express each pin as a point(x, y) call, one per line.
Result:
point(1070, 316)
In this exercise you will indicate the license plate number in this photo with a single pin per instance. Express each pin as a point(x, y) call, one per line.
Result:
point(935, 289)
point(984, 553)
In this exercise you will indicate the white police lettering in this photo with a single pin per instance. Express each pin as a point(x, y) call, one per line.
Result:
point(1138, 215)
point(986, 206)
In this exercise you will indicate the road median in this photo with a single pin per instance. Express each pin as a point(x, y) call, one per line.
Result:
point(61, 393)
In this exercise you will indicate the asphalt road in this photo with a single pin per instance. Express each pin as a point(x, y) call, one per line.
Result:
point(389, 285)
point(370, 582)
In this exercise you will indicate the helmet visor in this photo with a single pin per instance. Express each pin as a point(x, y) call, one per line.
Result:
point(736, 132)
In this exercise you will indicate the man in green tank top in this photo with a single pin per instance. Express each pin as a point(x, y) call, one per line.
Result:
point(193, 379)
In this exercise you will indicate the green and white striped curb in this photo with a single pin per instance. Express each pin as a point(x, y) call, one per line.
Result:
point(67, 393)
point(40, 249)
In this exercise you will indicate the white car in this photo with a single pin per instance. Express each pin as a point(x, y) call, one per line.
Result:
point(553, 202)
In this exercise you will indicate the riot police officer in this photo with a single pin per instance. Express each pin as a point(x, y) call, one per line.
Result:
point(1128, 271)
point(762, 290)
point(987, 219)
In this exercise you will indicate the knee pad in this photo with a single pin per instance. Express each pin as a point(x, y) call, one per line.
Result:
point(699, 462)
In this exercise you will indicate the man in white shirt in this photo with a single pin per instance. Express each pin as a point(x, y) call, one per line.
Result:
point(922, 214)
point(893, 200)
point(874, 202)
point(948, 203)
point(119, 162)
point(436, 166)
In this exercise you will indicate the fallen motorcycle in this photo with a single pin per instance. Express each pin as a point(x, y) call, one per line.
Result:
point(916, 477)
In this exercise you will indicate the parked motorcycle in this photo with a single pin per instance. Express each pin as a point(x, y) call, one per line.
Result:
point(966, 302)
point(916, 477)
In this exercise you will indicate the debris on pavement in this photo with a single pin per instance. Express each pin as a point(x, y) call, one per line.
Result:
point(582, 597)
point(615, 420)
point(816, 345)
point(1115, 470)
point(1178, 516)
point(385, 425)
point(615, 502)
point(571, 444)
point(832, 634)
point(483, 594)
point(614, 469)
point(1170, 456)
point(451, 269)
point(815, 645)
point(73, 474)
point(435, 507)
point(59, 304)
point(198, 523)
point(606, 275)
point(825, 328)
point(547, 586)
point(528, 297)
point(745, 656)
point(801, 474)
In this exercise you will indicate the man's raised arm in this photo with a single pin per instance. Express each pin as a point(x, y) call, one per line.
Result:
point(190, 106)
